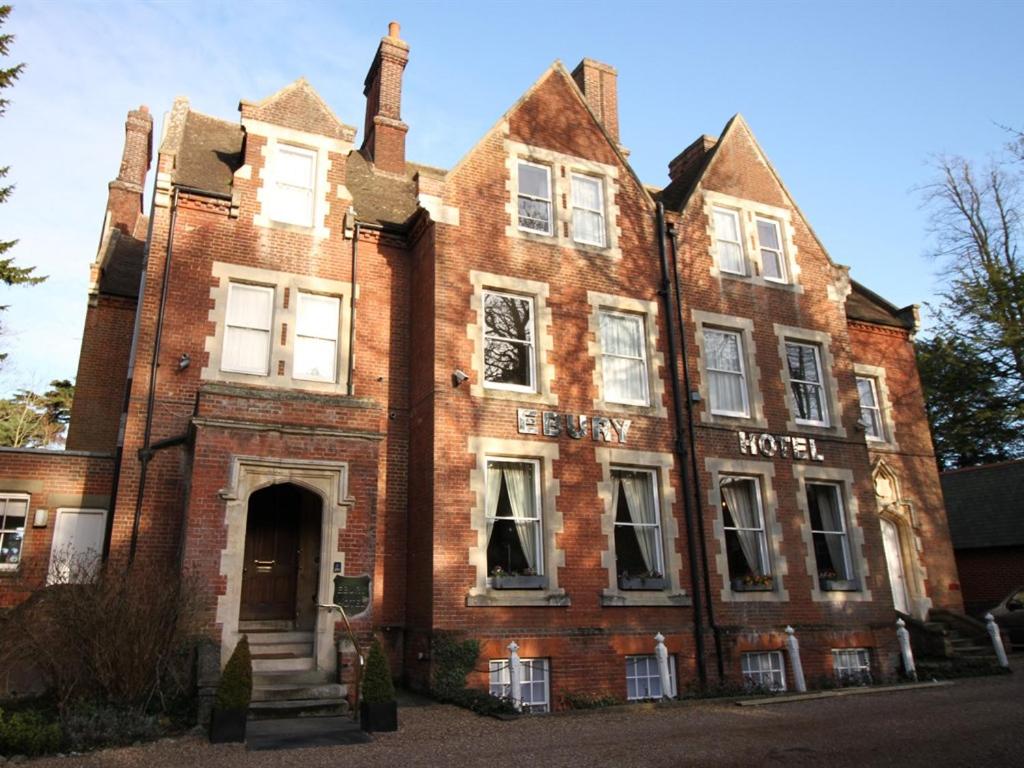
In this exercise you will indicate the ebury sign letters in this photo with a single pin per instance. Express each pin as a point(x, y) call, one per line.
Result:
point(577, 427)
point(784, 446)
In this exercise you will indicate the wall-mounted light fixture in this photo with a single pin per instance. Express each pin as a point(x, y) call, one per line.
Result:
point(41, 516)
point(184, 361)
point(458, 377)
point(695, 396)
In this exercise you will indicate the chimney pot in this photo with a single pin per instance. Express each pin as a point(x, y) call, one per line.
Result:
point(384, 137)
point(393, 30)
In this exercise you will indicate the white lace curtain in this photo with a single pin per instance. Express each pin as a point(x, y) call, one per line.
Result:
point(518, 478)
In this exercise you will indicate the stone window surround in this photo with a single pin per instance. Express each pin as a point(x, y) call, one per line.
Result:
point(748, 212)
point(764, 473)
point(877, 374)
point(661, 464)
point(745, 328)
point(552, 524)
point(544, 373)
point(323, 146)
point(248, 474)
point(562, 167)
point(843, 479)
point(12, 568)
point(829, 387)
point(648, 310)
point(226, 274)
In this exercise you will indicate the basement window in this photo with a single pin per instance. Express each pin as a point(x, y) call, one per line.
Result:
point(643, 681)
point(852, 666)
point(534, 684)
point(764, 671)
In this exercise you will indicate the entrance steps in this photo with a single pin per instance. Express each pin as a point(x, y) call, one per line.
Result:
point(952, 645)
point(286, 682)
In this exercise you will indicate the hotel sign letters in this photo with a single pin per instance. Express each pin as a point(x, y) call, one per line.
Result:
point(784, 446)
point(577, 427)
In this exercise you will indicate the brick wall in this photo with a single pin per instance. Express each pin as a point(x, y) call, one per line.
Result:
point(988, 575)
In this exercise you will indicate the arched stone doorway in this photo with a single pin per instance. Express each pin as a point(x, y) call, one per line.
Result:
point(282, 556)
point(901, 544)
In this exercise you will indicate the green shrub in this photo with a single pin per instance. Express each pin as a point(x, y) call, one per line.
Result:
point(481, 702)
point(234, 691)
point(92, 726)
point(28, 733)
point(589, 701)
point(377, 685)
point(453, 661)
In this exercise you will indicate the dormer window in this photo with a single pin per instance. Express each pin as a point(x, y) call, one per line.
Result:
point(535, 198)
point(294, 173)
point(587, 210)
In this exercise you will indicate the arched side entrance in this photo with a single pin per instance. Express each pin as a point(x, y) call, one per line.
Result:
point(901, 544)
point(282, 498)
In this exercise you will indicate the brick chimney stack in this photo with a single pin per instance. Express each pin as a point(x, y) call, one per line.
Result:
point(599, 83)
point(695, 153)
point(124, 195)
point(384, 135)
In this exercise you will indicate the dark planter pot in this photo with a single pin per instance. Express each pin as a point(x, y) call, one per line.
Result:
point(519, 582)
point(228, 725)
point(738, 585)
point(378, 717)
point(839, 585)
point(642, 582)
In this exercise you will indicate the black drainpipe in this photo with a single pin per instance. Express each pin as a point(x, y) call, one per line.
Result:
point(697, 494)
point(680, 450)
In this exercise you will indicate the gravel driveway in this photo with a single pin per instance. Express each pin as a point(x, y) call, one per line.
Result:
point(974, 722)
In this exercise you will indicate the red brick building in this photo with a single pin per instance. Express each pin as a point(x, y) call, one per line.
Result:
point(530, 397)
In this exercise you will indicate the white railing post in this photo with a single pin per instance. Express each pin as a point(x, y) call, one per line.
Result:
point(661, 654)
point(905, 651)
point(997, 640)
point(793, 646)
point(515, 675)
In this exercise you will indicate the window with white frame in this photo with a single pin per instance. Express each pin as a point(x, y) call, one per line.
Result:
point(806, 383)
point(247, 329)
point(294, 172)
point(316, 337)
point(729, 242)
point(535, 198)
point(533, 686)
point(638, 546)
point(623, 358)
point(773, 260)
point(727, 379)
point(764, 670)
point(643, 680)
point(77, 546)
point(746, 546)
point(509, 350)
point(852, 666)
point(870, 412)
point(13, 514)
point(831, 541)
point(515, 541)
point(587, 210)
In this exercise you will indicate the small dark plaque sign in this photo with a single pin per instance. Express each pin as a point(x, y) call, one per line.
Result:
point(352, 593)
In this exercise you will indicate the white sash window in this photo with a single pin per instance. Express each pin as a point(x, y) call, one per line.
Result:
point(727, 380)
point(587, 210)
point(294, 171)
point(535, 198)
point(247, 329)
point(729, 243)
point(316, 337)
point(624, 358)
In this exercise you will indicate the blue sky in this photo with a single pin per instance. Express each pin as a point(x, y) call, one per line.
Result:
point(848, 99)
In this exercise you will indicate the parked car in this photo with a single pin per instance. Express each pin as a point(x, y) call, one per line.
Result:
point(1009, 615)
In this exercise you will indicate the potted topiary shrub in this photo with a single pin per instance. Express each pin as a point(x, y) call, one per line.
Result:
point(234, 692)
point(378, 710)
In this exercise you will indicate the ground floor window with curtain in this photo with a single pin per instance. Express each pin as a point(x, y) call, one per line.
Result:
point(534, 683)
point(514, 530)
point(764, 670)
point(831, 541)
point(746, 547)
point(643, 681)
point(637, 524)
point(852, 666)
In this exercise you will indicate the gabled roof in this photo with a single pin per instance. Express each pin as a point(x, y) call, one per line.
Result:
point(380, 198)
point(210, 152)
point(985, 505)
point(298, 106)
point(868, 307)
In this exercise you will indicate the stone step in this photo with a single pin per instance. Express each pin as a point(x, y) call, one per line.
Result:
point(285, 691)
point(976, 650)
point(324, 707)
point(285, 664)
point(266, 625)
point(279, 650)
point(279, 636)
point(292, 677)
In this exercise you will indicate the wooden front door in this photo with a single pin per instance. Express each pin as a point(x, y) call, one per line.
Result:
point(271, 554)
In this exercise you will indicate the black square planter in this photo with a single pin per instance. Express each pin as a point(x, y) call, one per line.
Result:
point(650, 583)
point(519, 582)
point(228, 725)
point(378, 717)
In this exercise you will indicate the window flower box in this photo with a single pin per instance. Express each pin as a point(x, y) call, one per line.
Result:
point(518, 581)
point(755, 584)
point(839, 585)
point(642, 582)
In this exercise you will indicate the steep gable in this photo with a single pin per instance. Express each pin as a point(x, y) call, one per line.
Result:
point(298, 106)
